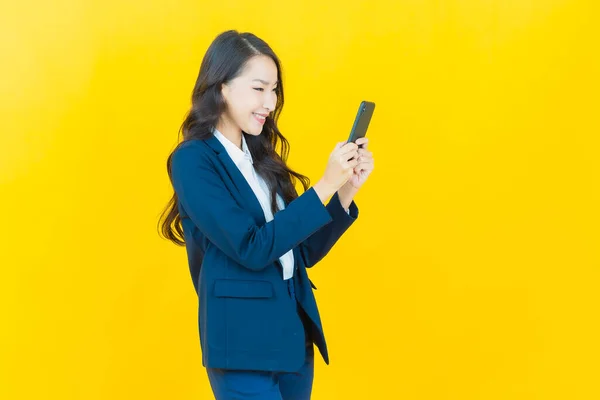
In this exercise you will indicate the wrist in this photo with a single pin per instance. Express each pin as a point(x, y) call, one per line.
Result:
point(346, 195)
point(324, 190)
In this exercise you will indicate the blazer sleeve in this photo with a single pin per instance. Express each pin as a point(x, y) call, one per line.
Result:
point(318, 245)
point(213, 209)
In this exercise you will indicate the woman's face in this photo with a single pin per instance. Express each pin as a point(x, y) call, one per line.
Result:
point(250, 97)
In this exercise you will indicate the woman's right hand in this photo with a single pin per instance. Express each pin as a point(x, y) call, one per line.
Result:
point(340, 166)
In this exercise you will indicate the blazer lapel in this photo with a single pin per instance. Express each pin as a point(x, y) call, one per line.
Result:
point(245, 192)
point(249, 200)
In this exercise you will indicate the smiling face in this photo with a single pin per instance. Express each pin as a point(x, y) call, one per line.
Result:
point(250, 98)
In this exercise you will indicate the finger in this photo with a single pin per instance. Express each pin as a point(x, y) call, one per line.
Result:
point(349, 147)
point(365, 165)
point(366, 159)
point(364, 169)
point(353, 155)
point(350, 164)
point(363, 173)
point(350, 155)
point(359, 167)
point(362, 141)
point(339, 145)
point(365, 153)
point(339, 148)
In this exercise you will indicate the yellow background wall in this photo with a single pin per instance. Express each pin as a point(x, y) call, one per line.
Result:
point(472, 273)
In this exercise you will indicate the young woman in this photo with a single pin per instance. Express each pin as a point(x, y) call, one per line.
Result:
point(249, 236)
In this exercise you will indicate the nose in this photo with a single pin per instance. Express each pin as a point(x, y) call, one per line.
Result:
point(269, 103)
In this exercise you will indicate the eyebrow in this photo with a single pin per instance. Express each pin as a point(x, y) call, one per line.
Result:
point(261, 81)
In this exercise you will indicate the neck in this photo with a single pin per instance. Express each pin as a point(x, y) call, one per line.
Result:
point(231, 132)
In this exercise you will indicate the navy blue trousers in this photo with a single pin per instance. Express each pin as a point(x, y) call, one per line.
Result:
point(229, 384)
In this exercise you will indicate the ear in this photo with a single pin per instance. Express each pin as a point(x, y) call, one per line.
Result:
point(225, 91)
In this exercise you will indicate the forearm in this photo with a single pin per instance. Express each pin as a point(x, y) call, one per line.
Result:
point(346, 194)
point(318, 245)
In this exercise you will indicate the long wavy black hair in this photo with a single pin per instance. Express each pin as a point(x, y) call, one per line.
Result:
point(223, 61)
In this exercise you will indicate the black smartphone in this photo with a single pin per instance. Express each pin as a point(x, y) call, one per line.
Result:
point(362, 120)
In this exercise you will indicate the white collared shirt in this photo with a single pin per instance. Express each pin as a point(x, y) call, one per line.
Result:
point(243, 160)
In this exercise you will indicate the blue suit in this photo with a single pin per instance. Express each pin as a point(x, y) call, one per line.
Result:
point(247, 320)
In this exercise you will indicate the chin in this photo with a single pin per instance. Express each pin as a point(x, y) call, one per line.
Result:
point(254, 131)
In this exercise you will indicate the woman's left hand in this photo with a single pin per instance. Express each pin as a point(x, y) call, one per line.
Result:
point(365, 164)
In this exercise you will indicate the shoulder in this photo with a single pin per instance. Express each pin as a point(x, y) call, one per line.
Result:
point(195, 146)
point(191, 152)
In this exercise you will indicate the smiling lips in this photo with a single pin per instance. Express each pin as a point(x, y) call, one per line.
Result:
point(260, 118)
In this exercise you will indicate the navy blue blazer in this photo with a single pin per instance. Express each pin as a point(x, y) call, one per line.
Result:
point(247, 319)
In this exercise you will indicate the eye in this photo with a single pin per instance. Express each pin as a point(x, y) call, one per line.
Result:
point(261, 89)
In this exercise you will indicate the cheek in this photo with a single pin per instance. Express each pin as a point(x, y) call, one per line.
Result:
point(239, 108)
point(245, 103)
point(253, 100)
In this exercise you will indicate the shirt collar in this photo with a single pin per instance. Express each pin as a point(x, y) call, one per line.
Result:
point(237, 155)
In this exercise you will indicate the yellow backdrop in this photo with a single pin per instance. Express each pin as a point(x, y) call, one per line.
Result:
point(472, 273)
